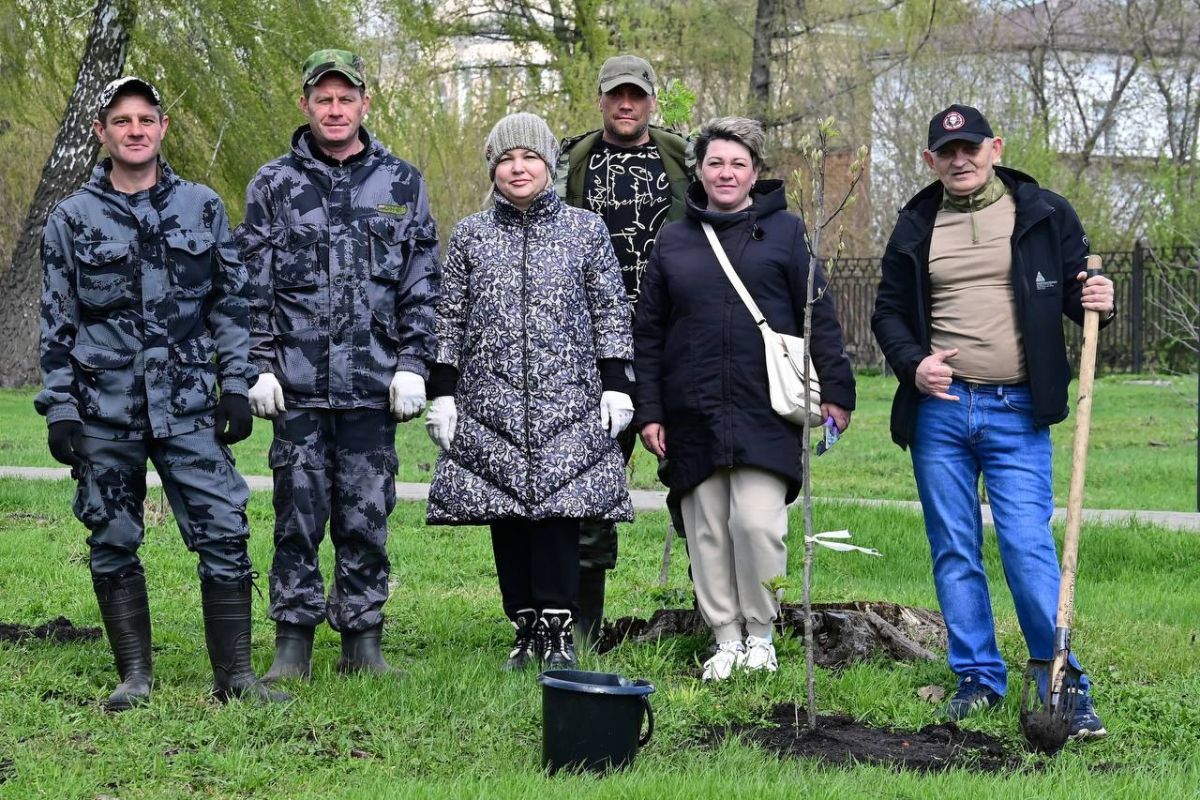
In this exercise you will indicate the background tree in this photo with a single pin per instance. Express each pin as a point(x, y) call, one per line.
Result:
point(70, 161)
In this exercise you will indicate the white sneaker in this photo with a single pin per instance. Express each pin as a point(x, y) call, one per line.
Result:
point(760, 654)
point(728, 656)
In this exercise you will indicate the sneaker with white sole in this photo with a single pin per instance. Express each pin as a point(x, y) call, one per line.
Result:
point(729, 656)
point(760, 655)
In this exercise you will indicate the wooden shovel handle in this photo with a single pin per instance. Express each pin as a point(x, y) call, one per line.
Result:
point(1083, 426)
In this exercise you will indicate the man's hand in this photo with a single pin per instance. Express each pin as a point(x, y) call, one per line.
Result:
point(233, 410)
point(654, 438)
point(407, 395)
point(616, 412)
point(66, 439)
point(1097, 293)
point(934, 376)
point(266, 397)
point(841, 417)
point(442, 421)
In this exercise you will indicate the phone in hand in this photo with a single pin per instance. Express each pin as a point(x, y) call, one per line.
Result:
point(830, 437)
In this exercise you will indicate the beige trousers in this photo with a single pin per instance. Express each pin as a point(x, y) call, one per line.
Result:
point(736, 523)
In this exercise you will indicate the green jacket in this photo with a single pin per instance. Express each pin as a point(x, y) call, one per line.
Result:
point(677, 158)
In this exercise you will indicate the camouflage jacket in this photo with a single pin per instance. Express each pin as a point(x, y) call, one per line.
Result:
point(343, 264)
point(144, 309)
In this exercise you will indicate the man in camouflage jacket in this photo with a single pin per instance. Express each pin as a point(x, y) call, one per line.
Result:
point(144, 316)
point(342, 255)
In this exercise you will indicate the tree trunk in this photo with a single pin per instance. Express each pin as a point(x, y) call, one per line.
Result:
point(68, 166)
point(760, 58)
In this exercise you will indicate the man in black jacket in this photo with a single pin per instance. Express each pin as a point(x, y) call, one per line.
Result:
point(980, 269)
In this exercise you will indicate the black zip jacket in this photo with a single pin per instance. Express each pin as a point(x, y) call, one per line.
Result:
point(1049, 248)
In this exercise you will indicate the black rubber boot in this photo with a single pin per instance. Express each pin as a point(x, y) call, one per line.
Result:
point(558, 643)
point(126, 613)
point(526, 647)
point(590, 622)
point(293, 653)
point(227, 634)
point(361, 652)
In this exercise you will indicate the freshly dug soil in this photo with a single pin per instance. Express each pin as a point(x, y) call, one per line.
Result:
point(840, 740)
point(844, 633)
point(56, 630)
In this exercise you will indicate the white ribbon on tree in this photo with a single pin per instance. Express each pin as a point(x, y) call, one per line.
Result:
point(826, 540)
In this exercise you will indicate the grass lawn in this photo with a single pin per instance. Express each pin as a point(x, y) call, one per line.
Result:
point(1143, 447)
point(457, 727)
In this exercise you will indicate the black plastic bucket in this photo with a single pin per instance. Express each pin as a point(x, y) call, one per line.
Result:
point(592, 720)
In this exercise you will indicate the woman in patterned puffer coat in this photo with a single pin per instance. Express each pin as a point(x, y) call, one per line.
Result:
point(531, 386)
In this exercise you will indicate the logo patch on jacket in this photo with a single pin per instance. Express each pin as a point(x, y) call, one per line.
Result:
point(390, 208)
point(1042, 283)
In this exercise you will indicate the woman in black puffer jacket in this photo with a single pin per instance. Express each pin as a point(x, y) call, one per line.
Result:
point(530, 386)
point(702, 394)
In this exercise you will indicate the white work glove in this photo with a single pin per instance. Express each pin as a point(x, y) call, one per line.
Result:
point(616, 411)
point(442, 420)
point(266, 397)
point(406, 395)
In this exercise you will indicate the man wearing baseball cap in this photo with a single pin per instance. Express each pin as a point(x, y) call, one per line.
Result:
point(980, 269)
point(144, 355)
point(635, 176)
point(342, 255)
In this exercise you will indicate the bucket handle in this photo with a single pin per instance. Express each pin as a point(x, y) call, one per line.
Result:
point(650, 718)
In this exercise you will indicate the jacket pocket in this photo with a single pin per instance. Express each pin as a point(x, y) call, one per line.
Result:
point(190, 258)
point(387, 238)
point(297, 262)
point(300, 300)
point(105, 274)
point(108, 390)
point(194, 376)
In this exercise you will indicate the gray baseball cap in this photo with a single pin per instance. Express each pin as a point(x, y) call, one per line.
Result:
point(627, 69)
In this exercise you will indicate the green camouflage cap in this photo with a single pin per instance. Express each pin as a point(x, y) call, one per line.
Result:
point(341, 61)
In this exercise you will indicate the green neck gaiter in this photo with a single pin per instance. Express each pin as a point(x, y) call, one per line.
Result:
point(980, 199)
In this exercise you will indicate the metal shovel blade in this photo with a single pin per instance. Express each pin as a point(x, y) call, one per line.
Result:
point(1048, 703)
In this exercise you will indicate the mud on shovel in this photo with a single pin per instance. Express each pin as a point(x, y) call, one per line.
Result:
point(1052, 687)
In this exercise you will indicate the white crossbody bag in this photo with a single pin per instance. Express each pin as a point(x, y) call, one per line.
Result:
point(791, 396)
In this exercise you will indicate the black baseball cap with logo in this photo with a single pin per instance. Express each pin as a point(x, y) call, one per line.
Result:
point(958, 123)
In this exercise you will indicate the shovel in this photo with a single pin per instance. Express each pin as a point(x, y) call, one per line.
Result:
point(1052, 687)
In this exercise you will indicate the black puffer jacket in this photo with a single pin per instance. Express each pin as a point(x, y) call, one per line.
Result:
point(699, 358)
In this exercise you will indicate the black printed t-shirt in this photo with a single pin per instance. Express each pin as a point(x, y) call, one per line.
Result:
point(628, 187)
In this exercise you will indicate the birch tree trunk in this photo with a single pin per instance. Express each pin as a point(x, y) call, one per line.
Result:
point(68, 166)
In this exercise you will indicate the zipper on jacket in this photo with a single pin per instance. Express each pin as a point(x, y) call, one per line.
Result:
point(525, 353)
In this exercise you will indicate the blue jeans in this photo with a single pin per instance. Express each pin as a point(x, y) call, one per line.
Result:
point(989, 431)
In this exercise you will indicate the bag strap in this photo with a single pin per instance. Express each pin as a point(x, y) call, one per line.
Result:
point(715, 243)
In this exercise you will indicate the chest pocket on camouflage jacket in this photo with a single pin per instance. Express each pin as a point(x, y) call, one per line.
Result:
point(298, 277)
point(190, 256)
point(388, 252)
point(104, 274)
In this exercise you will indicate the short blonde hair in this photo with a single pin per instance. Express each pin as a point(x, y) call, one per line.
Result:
point(743, 130)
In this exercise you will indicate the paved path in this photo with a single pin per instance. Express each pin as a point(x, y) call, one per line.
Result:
point(648, 500)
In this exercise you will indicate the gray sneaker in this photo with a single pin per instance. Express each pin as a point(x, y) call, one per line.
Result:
point(970, 698)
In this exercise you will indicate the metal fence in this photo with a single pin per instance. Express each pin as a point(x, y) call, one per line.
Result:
point(1140, 339)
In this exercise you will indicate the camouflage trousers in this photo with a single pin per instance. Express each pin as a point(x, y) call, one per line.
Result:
point(206, 493)
point(336, 468)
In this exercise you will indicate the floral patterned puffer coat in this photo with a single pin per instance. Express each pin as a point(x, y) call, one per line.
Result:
point(530, 302)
